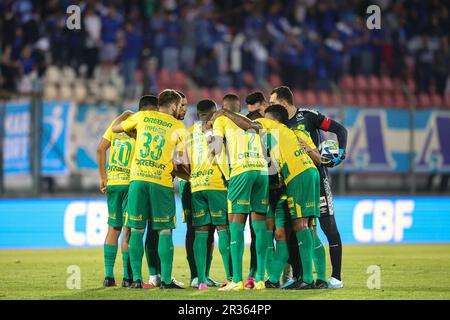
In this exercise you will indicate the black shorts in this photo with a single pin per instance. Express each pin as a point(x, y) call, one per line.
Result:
point(326, 196)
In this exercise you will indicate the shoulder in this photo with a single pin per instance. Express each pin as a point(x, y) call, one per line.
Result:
point(308, 111)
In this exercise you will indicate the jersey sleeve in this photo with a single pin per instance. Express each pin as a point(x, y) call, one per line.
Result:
point(266, 123)
point(108, 133)
point(305, 136)
point(219, 126)
point(319, 120)
point(130, 123)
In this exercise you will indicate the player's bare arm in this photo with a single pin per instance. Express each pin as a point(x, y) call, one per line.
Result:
point(243, 122)
point(102, 148)
point(117, 125)
point(312, 153)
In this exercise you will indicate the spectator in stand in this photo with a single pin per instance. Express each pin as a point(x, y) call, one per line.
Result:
point(131, 49)
point(93, 26)
point(423, 71)
point(111, 25)
point(170, 51)
point(441, 65)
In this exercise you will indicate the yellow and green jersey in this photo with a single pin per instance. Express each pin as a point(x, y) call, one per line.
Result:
point(285, 148)
point(120, 157)
point(159, 137)
point(244, 148)
point(205, 173)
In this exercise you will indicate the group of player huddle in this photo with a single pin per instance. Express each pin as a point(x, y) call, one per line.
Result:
point(264, 166)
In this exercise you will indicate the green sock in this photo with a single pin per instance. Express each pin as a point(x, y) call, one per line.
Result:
point(305, 245)
point(224, 249)
point(237, 249)
point(151, 253)
point(261, 249)
point(192, 267)
point(208, 265)
point(109, 253)
point(136, 251)
point(200, 251)
point(270, 251)
point(127, 272)
point(319, 258)
point(165, 251)
point(280, 257)
point(253, 262)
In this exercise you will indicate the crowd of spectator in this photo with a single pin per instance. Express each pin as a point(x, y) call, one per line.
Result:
point(305, 44)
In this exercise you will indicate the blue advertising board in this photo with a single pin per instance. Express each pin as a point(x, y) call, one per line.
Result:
point(56, 131)
point(65, 223)
point(16, 139)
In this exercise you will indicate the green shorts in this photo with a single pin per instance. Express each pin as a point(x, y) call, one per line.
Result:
point(303, 193)
point(150, 201)
point(209, 206)
point(117, 199)
point(248, 192)
point(184, 188)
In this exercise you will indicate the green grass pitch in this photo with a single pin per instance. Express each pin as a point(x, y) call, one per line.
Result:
point(407, 272)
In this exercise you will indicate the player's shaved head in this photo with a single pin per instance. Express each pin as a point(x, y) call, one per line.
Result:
point(169, 101)
point(278, 113)
point(148, 103)
point(206, 109)
point(231, 102)
point(282, 95)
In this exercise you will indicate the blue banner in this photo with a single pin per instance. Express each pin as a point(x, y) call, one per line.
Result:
point(57, 121)
point(64, 223)
point(92, 122)
point(16, 143)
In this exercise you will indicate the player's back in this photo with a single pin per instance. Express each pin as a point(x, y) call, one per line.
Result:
point(158, 136)
point(285, 147)
point(120, 156)
point(205, 173)
point(244, 147)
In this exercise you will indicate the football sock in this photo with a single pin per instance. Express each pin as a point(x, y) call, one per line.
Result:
point(200, 251)
point(237, 249)
point(329, 227)
point(127, 273)
point(319, 258)
point(261, 248)
point(208, 264)
point(253, 261)
point(136, 251)
point(305, 245)
point(151, 253)
point(270, 251)
point(109, 253)
point(279, 260)
point(190, 236)
point(294, 257)
point(224, 249)
point(165, 251)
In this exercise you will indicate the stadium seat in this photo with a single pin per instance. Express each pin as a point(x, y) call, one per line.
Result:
point(361, 99)
point(204, 93)
point(179, 80)
point(310, 98)
point(386, 84)
point(374, 99)
point(164, 79)
point(411, 84)
point(387, 100)
point(68, 75)
point(53, 75)
point(298, 97)
point(65, 92)
point(217, 95)
point(374, 84)
point(50, 92)
point(447, 101)
point(400, 100)
point(335, 99)
point(191, 95)
point(423, 101)
point(347, 83)
point(323, 98)
point(361, 83)
point(437, 101)
point(349, 99)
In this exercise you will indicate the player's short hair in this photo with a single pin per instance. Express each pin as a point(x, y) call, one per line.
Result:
point(254, 115)
point(148, 102)
point(279, 112)
point(284, 93)
point(168, 97)
point(181, 94)
point(255, 97)
point(205, 105)
point(231, 97)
